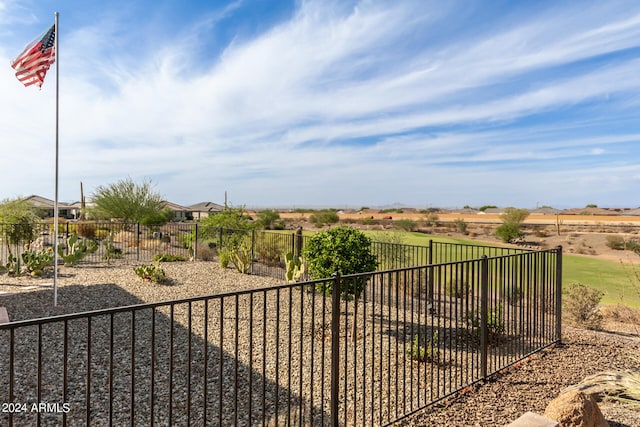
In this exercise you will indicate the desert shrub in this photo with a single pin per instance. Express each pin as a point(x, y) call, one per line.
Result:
point(206, 252)
point(512, 219)
point(168, 258)
point(406, 224)
point(151, 272)
point(344, 250)
point(269, 220)
point(495, 322)
point(460, 225)
point(86, 229)
point(270, 250)
point(615, 242)
point(35, 262)
point(367, 221)
point(427, 353)
point(633, 245)
point(509, 232)
point(431, 219)
point(582, 305)
point(540, 232)
point(327, 216)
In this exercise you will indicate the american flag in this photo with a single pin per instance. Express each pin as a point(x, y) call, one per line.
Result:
point(33, 63)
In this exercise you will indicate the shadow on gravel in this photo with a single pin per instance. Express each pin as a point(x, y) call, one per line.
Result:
point(142, 366)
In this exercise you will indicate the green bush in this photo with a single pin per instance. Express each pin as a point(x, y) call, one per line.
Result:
point(344, 250)
point(615, 242)
point(461, 226)
point(509, 232)
point(427, 353)
point(581, 303)
point(35, 262)
point(151, 272)
point(406, 224)
point(168, 258)
point(327, 216)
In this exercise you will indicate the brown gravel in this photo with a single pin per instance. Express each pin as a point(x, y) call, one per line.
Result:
point(529, 386)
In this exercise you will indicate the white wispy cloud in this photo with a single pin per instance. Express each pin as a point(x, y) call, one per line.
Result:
point(361, 102)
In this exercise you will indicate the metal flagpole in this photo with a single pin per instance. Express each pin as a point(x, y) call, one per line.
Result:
point(55, 203)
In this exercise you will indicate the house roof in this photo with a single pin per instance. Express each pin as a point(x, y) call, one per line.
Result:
point(206, 207)
point(174, 206)
point(42, 202)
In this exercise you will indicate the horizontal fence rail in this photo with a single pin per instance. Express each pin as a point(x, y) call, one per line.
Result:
point(366, 349)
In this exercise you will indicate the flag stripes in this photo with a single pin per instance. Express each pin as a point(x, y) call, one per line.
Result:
point(33, 63)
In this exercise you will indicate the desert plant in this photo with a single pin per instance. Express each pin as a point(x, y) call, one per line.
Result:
point(19, 223)
point(35, 262)
point(269, 251)
point(406, 224)
point(151, 272)
point(129, 202)
point(615, 242)
point(512, 220)
point(495, 322)
point(241, 257)
point(582, 305)
point(344, 250)
point(111, 252)
point(431, 219)
point(76, 249)
point(86, 229)
point(269, 220)
point(461, 226)
point(295, 267)
point(326, 216)
point(224, 258)
point(13, 266)
point(427, 353)
point(168, 258)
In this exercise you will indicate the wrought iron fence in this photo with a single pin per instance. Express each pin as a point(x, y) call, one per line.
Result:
point(265, 249)
point(304, 353)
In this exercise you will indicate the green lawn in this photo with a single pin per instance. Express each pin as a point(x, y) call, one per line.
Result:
point(610, 277)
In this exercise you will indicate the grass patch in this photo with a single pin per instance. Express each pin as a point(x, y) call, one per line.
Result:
point(610, 277)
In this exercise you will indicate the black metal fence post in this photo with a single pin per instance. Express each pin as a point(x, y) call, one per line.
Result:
point(138, 241)
point(484, 315)
point(559, 293)
point(430, 273)
point(335, 349)
point(298, 243)
point(195, 243)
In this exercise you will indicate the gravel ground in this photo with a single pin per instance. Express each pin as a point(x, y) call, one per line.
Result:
point(526, 387)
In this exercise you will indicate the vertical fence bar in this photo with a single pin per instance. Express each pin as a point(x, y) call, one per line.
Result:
point(195, 242)
point(335, 349)
point(484, 315)
point(559, 293)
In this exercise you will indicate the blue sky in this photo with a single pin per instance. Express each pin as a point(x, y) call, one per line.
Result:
point(330, 103)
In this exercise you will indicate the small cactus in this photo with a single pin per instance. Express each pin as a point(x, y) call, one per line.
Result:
point(295, 267)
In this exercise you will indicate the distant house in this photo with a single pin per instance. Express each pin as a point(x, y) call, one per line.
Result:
point(589, 211)
point(204, 209)
point(545, 211)
point(180, 213)
point(45, 207)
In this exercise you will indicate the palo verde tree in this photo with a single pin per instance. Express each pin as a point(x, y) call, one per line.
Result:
point(512, 219)
point(130, 202)
point(18, 222)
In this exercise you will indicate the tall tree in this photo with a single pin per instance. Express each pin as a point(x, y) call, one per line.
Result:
point(129, 202)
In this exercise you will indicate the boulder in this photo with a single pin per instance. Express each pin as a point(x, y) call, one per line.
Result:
point(575, 409)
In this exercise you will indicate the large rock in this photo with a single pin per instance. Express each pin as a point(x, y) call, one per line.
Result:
point(575, 409)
